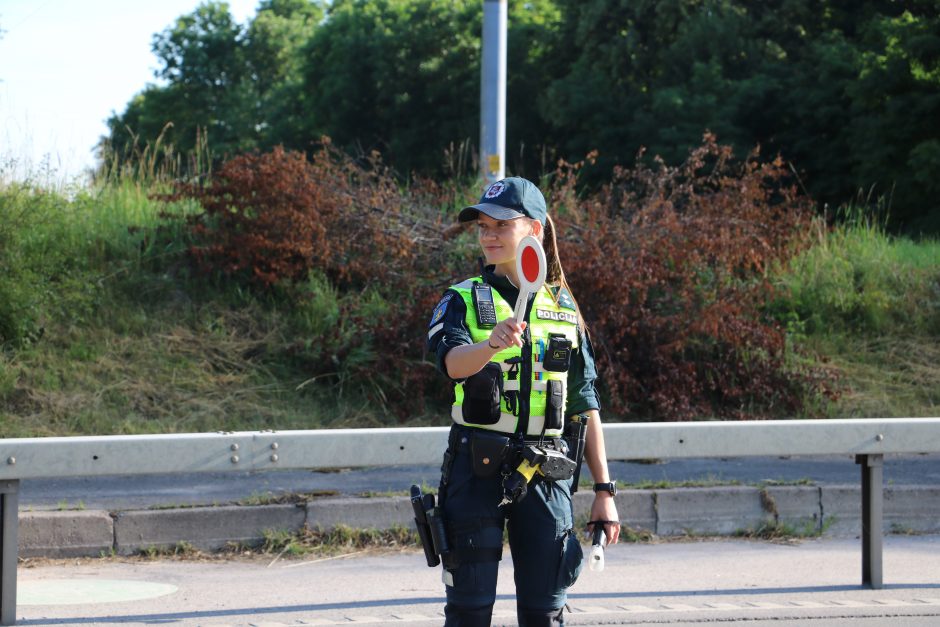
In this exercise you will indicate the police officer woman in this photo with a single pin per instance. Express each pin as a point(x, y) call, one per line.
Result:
point(518, 385)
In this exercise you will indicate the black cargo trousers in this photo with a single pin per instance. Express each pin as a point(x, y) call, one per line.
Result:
point(546, 555)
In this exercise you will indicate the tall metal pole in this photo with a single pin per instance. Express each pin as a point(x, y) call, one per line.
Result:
point(493, 91)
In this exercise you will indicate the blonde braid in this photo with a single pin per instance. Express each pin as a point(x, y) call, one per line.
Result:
point(555, 274)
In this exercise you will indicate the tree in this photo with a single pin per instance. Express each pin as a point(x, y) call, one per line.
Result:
point(531, 141)
point(222, 81)
point(846, 90)
point(399, 76)
point(207, 89)
point(275, 39)
point(657, 74)
point(895, 133)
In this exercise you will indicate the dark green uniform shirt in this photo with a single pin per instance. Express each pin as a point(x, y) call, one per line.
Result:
point(448, 329)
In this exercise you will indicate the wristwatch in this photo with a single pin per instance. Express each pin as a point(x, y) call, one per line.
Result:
point(606, 487)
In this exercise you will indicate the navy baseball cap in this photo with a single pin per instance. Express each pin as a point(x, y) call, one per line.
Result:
point(508, 199)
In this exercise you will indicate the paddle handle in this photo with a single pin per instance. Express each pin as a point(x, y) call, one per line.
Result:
point(521, 302)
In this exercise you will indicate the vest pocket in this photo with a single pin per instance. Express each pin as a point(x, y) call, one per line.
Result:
point(481, 395)
point(554, 404)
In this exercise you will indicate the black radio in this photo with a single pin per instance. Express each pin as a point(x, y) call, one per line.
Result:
point(483, 303)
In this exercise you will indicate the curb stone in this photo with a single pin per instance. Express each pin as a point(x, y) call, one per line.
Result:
point(835, 510)
point(362, 513)
point(637, 508)
point(912, 509)
point(796, 506)
point(841, 510)
point(65, 534)
point(709, 511)
point(208, 528)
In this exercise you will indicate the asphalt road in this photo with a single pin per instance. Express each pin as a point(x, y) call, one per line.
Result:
point(814, 582)
point(131, 492)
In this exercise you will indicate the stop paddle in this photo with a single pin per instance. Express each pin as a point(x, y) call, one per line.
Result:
point(530, 268)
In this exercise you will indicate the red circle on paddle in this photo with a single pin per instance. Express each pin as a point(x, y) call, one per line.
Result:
point(530, 264)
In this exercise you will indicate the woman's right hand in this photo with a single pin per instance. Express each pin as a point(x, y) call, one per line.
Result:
point(506, 333)
point(467, 360)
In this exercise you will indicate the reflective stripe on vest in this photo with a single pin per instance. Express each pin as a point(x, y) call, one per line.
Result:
point(546, 317)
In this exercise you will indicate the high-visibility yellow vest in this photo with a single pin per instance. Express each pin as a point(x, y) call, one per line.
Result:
point(546, 317)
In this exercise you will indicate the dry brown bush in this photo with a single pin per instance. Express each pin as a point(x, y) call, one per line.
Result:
point(668, 263)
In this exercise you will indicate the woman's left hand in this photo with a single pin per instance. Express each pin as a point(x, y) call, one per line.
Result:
point(604, 508)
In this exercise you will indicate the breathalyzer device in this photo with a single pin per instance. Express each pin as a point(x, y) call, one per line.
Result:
point(596, 559)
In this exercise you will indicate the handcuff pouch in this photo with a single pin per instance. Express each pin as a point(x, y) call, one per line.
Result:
point(488, 451)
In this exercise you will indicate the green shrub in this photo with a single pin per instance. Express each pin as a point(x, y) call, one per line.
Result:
point(30, 263)
point(690, 288)
point(58, 252)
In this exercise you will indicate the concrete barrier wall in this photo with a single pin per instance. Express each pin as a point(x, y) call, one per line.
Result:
point(65, 534)
point(831, 510)
point(208, 528)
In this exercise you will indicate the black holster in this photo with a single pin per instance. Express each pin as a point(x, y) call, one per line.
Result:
point(418, 502)
point(430, 522)
point(575, 435)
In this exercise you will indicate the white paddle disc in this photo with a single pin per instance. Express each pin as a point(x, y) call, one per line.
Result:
point(531, 267)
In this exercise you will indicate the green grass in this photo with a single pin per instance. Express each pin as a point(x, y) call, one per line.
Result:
point(339, 539)
point(883, 377)
point(179, 550)
point(104, 331)
point(777, 531)
point(865, 306)
point(173, 368)
point(858, 279)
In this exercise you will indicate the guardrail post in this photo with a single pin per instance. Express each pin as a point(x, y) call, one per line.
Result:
point(9, 537)
point(872, 518)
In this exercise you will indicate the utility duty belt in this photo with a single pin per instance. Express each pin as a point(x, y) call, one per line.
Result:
point(492, 453)
point(519, 460)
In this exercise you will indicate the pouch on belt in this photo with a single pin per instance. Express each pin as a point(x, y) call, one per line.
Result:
point(488, 451)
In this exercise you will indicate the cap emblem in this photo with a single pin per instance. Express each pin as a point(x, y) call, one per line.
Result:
point(495, 190)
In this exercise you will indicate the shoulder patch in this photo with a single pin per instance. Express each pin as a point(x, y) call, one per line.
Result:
point(441, 309)
point(565, 301)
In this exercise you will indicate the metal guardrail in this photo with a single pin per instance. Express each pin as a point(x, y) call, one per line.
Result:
point(27, 458)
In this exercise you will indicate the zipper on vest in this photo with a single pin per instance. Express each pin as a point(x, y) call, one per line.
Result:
point(525, 381)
